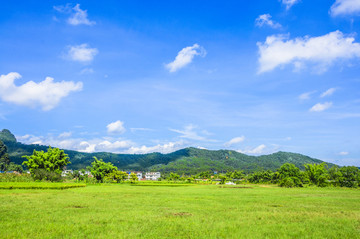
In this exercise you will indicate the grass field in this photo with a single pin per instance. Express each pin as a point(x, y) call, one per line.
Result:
point(200, 211)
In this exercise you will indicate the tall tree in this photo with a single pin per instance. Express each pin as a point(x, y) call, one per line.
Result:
point(4, 157)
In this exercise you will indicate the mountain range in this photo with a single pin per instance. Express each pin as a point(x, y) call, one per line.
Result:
point(185, 161)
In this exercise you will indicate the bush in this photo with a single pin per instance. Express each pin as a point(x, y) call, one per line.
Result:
point(43, 174)
point(290, 182)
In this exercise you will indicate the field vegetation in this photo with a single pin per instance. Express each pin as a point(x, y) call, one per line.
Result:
point(197, 211)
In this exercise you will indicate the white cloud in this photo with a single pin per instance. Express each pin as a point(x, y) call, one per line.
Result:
point(82, 53)
point(113, 146)
point(265, 19)
point(321, 107)
point(133, 130)
point(185, 57)
point(306, 95)
point(116, 127)
point(46, 94)
point(258, 150)
point(161, 148)
point(78, 16)
point(235, 140)
point(65, 135)
point(189, 133)
point(278, 50)
point(289, 3)
point(345, 7)
point(344, 153)
point(86, 71)
point(328, 92)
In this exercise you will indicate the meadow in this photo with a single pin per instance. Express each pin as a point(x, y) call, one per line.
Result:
point(198, 211)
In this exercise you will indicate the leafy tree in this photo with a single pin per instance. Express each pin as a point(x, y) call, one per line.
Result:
point(100, 169)
point(223, 179)
point(15, 167)
point(317, 174)
point(117, 176)
point(289, 175)
point(4, 157)
point(350, 177)
point(47, 165)
point(174, 176)
point(133, 178)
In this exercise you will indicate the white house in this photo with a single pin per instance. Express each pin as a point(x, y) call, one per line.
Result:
point(152, 176)
point(66, 172)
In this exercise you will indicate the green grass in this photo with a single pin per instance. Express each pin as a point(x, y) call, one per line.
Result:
point(39, 185)
point(200, 211)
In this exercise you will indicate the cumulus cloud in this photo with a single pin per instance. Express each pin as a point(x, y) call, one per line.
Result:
point(47, 94)
point(345, 7)
point(328, 92)
point(160, 148)
point(289, 3)
point(64, 141)
point(185, 57)
point(306, 95)
point(78, 16)
point(113, 146)
point(321, 107)
point(265, 20)
point(82, 53)
point(235, 140)
point(258, 150)
point(279, 50)
point(189, 133)
point(116, 127)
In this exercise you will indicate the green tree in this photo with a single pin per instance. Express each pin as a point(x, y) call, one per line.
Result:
point(4, 157)
point(289, 175)
point(133, 178)
point(350, 177)
point(317, 174)
point(174, 176)
point(117, 176)
point(47, 165)
point(223, 179)
point(99, 169)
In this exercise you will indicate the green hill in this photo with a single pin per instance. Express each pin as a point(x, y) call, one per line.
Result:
point(187, 161)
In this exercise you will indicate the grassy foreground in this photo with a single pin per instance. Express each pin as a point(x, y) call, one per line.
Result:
point(200, 211)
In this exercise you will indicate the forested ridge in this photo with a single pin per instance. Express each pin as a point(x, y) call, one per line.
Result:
point(185, 161)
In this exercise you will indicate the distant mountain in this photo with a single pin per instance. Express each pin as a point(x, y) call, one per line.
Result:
point(187, 161)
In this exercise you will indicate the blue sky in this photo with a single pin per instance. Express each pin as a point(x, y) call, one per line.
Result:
point(156, 76)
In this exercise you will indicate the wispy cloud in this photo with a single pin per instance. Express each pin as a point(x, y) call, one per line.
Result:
point(322, 51)
point(306, 95)
point(185, 57)
point(321, 107)
point(235, 140)
point(189, 133)
point(77, 17)
point(289, 3)
point(82, 53)
point(265, 20)
point(345, 7)
point(328, 92)
point(344, 153)
point(47, 94)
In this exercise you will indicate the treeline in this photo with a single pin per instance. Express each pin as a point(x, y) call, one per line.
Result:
point(288, 175)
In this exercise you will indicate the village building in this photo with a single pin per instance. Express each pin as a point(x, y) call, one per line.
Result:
point(152, 176)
